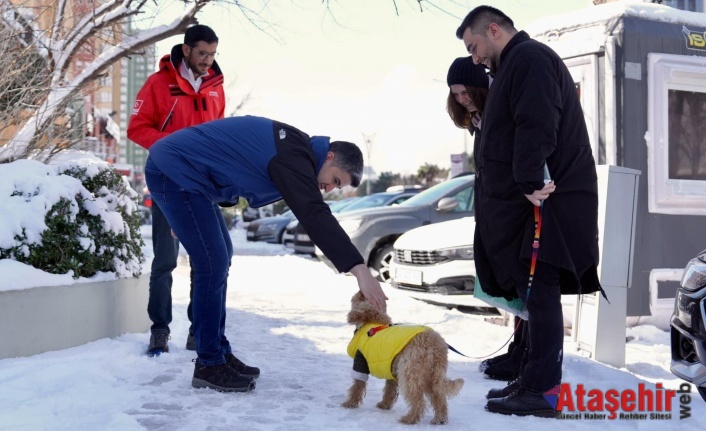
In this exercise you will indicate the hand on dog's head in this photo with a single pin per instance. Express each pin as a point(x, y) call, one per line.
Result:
point(362, 312)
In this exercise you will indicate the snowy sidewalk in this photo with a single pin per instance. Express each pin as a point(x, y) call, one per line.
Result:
point(286, 315)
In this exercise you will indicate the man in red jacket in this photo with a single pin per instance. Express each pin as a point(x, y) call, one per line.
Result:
point(186, 91)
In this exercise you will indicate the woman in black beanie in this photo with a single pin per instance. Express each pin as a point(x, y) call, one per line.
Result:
point(468, 90)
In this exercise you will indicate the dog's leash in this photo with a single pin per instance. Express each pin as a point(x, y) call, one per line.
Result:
point(533, 265)
point(453, 349)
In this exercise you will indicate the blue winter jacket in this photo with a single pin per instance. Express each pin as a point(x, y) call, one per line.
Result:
point(263, 161)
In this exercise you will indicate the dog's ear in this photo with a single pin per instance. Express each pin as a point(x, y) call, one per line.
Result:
point(356, 316)
point(363, 312)
point(357, 298)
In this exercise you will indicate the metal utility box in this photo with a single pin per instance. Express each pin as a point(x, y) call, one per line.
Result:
point(599, 324)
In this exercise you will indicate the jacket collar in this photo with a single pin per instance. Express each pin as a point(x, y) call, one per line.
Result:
point(517, 39)
point(320, 146)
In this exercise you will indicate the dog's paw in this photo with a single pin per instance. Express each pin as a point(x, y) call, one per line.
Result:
point(411, 418)
point(350, 404)
point(439, 421)
point(383, 405)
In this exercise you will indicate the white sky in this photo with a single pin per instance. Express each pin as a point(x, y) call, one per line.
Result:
point(369, 72)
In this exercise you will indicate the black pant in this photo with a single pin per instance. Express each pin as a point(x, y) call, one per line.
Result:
point(545, 335)
point(166, 252)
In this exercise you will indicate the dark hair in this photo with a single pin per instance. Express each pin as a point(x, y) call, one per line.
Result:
point(459, 114)
point(349, 158)
point(480, 18)
point(199, 33)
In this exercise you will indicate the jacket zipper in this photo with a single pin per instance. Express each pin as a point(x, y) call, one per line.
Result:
point(169, 117)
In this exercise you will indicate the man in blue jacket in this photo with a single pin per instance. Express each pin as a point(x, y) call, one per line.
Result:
point(194, 170)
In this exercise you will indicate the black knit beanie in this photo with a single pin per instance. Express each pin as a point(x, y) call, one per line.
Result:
point(464, 71)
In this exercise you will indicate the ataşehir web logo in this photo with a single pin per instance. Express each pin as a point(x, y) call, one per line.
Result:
point(644, 403)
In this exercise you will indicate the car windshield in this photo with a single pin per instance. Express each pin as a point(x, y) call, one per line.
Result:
point(337, 206)
point(370, 201)
point(434, 193)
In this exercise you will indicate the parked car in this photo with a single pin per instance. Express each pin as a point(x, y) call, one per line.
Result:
point(436, 258)
point(373, 231)
point(269, 229)
point(289, 232)
point(381, 199)
point(251, 214)
point(688, 333)
point(301, 243)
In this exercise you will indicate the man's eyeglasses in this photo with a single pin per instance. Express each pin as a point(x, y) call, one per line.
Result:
point(203, 54)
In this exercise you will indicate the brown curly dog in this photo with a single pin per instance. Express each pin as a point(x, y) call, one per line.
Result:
point(411, 359)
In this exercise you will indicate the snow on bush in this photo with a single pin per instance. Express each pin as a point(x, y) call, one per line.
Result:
point(75, 216)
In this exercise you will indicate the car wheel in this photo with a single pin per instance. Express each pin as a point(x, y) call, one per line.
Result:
point(381, 264)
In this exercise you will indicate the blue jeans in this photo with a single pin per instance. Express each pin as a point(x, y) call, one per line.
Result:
point(201, 229)
point(166, 252)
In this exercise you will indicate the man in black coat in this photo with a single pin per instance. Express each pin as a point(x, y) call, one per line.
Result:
point(532, 121)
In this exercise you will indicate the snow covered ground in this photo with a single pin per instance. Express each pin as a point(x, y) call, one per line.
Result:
point(287, 316)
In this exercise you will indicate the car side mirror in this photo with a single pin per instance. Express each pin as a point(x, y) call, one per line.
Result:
point(446, 205)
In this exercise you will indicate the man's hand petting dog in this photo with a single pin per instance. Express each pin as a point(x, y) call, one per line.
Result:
point(370, 287)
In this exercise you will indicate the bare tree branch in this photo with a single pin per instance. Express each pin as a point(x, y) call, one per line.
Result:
point(41, 60)
point(60, 91)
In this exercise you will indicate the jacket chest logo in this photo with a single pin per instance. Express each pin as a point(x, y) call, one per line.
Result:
point(282, 134)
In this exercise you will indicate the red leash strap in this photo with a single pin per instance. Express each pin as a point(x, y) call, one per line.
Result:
point(535, 245)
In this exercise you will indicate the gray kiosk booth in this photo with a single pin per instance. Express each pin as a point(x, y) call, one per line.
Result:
point(599, 324)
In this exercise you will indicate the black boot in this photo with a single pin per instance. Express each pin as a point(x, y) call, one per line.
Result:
point(191, 342)
point(222, 378)
point(241, 368)
point(503, 392)
point(524, 402)
point(497, 359)
point(158, 343)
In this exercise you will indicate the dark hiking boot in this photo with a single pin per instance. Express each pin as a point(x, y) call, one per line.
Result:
point(506, 370)
point(191, 342)
point(503, 392)
point(222, 378)
point(158, 343)
point(497, 359)
point(241, 368)
point(523, 402)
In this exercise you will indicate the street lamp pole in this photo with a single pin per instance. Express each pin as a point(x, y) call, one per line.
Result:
point(369, 148)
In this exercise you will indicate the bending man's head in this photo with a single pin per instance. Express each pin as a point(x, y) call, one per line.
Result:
point(343, 166)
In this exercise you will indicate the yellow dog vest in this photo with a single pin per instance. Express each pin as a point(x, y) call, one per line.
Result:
point(380, 346)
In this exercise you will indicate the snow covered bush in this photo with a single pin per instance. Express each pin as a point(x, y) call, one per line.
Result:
point(76, 215)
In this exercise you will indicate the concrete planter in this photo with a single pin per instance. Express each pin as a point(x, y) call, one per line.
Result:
point(48, 318)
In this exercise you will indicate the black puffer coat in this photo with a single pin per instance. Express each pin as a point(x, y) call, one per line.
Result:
point(533, 115)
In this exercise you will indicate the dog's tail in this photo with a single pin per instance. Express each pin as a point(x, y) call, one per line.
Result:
point(453, 387)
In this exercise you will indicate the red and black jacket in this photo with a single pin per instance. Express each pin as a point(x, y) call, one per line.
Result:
point(167, 102)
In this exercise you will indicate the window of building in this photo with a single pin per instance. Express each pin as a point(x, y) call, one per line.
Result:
point(687, 138)
point(105, 97)
point(676, 139)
